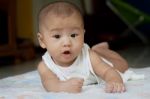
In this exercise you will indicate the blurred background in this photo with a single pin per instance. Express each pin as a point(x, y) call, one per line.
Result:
point(124, 24)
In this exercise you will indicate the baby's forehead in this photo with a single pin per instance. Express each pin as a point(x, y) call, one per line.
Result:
point(74, 16)
point(62, 23)
point(54, 18)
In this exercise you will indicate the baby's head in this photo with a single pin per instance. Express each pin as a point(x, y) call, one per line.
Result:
point(58, 9)
point(61, 31)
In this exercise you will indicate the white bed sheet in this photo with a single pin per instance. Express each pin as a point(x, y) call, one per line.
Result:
point(28, 86)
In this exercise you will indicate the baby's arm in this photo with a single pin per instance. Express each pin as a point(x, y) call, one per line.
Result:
point(51, 82)
point(114, 82)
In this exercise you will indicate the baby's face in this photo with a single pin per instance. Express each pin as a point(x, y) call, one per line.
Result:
point(63, 38)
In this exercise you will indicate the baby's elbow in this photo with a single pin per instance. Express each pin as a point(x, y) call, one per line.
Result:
point(46, 87)
point(126, 66)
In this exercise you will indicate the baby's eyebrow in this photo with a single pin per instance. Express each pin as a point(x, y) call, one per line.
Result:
point(59, 30)
point(76, 28)
point(55, 30)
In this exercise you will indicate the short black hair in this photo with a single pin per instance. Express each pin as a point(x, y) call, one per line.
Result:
point(59, 8)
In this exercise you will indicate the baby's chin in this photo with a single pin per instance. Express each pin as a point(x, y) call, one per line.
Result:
point(66, 63)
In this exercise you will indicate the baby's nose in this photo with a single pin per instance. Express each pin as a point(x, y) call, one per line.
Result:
point(67, 42)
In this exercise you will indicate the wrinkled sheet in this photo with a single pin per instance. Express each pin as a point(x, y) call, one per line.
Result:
point(28, 86)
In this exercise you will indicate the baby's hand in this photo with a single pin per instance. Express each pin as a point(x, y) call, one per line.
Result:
point(73, 85)
point(115, 87)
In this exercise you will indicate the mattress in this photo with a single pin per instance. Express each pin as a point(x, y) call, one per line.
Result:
point(28, 86)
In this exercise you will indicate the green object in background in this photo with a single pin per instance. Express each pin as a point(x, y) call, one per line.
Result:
point(131, 16)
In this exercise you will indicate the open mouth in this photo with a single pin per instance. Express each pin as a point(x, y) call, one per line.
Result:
point(66, 52)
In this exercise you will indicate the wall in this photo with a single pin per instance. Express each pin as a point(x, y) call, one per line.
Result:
point(24, 19)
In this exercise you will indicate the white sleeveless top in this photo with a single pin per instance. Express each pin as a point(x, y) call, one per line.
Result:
point(81, 67)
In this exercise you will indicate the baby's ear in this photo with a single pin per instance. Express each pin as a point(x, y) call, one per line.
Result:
point(41, 41)
point(84, 31)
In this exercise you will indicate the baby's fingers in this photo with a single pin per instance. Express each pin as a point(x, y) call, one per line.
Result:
point(109, 88)
point(121, 88)
point(115, 88)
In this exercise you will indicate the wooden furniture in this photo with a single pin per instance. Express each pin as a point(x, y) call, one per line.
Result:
point(8, 44)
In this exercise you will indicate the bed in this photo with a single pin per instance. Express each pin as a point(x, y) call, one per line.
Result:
point(28, 86)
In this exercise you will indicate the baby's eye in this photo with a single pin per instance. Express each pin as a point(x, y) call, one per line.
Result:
point(56, 36)
point(74, 35)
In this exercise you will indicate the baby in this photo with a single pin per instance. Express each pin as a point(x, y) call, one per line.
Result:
point(69, 63)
